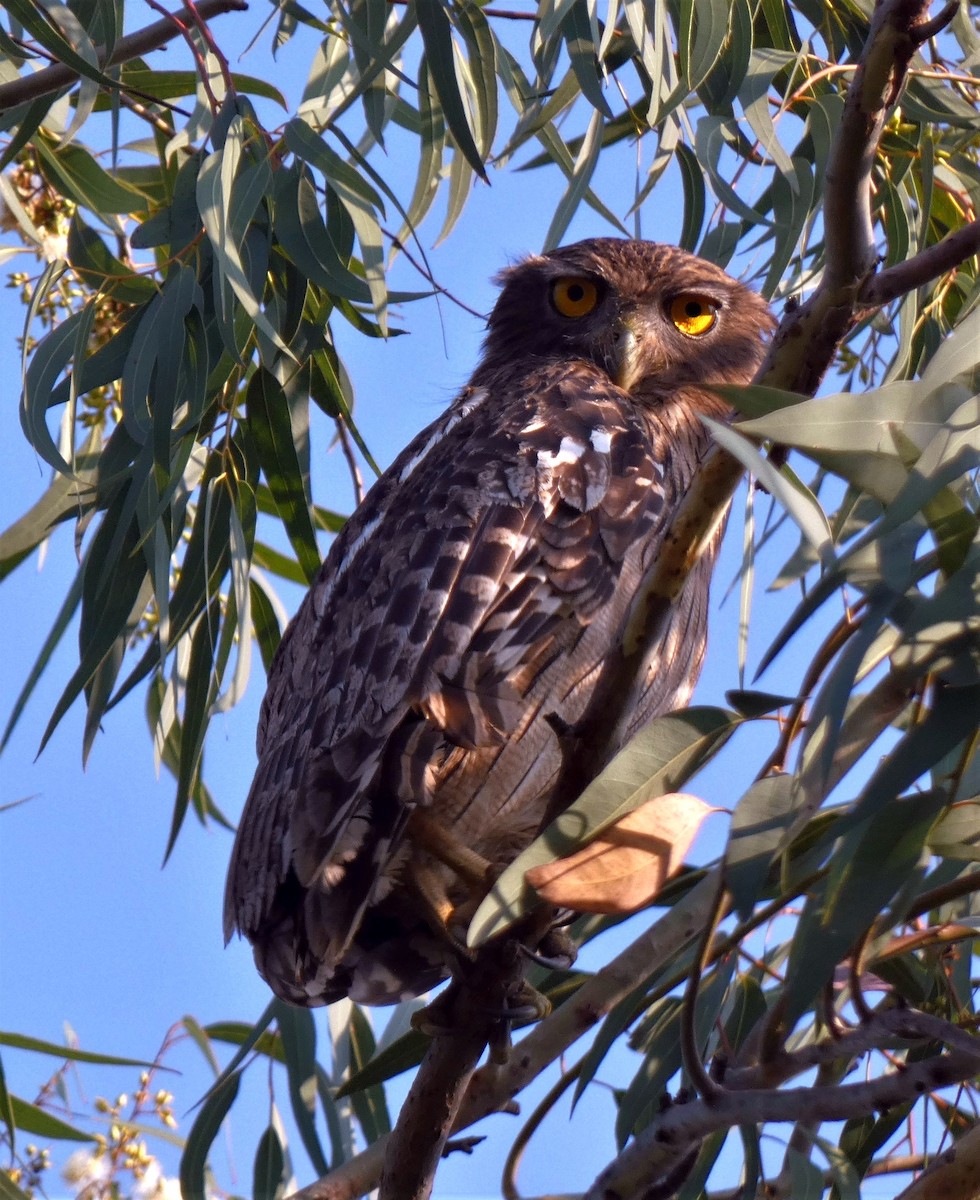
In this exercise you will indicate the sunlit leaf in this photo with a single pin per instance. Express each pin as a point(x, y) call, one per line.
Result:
point(624, 866)
point(437, 38)
point(659, 759)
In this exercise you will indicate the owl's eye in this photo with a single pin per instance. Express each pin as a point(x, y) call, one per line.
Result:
point(693, 315)
point(574, 296)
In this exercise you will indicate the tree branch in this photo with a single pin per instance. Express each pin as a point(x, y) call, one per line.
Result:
point(946, 255)
point(801, 352)
point(494, 1085)
point(133, 45)
point(470, 1010)
point(672, 1134)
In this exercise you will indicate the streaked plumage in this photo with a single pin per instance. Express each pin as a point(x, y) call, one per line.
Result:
point(472, 595)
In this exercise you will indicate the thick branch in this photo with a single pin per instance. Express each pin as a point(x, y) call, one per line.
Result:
point(954, 249)
point(801, 352)
point(882, 1030)
point(493, 1086)
point(470, 1011)
point(133, 45)
point(673, 1134)
point(956, 1172)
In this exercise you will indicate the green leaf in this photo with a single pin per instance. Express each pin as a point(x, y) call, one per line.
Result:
point(951, 719)
point(170, 85)
point(957, 833)
point(578, 183)
point(298, 1035)
point(760, 824)
point(764, 65)
point(370, 1105)
point(7, 1111)
point(198, 691)
point(692, 180)
point(48, 361)
point(576, 29)
point(401, 1055)
point(61, 622)
point(113, 576)
point(752, 704)
point(482, 47)
point(303, 235)
point(437, 38)
point(661, 1061)
point(704, 30)
point(31, 1119)
point(90, 257)
point(276, 430)
point(227, 202)
point(77, 175)
point(801, 504)
point(194, 1160)
point(871, 864)
point(357, 196)
point(20, 1041)
point(64, 498)
point(269, 1176)
point(660, 758)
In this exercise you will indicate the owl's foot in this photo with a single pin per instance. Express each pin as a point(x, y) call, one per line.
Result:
point(556, 951)
point(427, 834)
point(521, 1004)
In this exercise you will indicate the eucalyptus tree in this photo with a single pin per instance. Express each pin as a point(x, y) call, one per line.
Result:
point(200, 238)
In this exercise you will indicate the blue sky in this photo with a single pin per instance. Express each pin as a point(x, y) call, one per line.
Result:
point(92, 931)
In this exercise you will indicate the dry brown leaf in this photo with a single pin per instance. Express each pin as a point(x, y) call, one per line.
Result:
point(622, 869)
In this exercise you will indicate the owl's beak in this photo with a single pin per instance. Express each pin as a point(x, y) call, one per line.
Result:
point(626, 357)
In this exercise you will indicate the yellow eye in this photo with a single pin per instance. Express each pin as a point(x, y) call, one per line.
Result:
point(693, 315)
point(574, 296)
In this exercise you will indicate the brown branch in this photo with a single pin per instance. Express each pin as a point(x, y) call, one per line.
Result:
point(882, 1027)
point(133, 45)
point(946, 255)
point(468, 1018)
point(964, 886)
point(671, 1135)
point(955, 1172)
point(493, 1086)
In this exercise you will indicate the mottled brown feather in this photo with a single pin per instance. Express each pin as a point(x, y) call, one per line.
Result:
point(468, 603)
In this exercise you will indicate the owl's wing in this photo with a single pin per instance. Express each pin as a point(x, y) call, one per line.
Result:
point(501, 523)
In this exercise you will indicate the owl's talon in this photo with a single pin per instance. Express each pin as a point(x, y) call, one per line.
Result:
point(523, 1006)
point(555, 952)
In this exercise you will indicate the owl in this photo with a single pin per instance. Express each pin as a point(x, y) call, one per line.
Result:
point(408, 743)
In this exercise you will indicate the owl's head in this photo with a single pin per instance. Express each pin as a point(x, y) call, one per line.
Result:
point(653, 317)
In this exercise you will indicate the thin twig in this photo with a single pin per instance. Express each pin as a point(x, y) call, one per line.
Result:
point(426, 273)
point(183, 26)
point(690, 1051)
point(508, 1179)
point(133, 45)
point(357, 480)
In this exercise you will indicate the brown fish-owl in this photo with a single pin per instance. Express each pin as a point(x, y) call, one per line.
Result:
point(463, 614)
